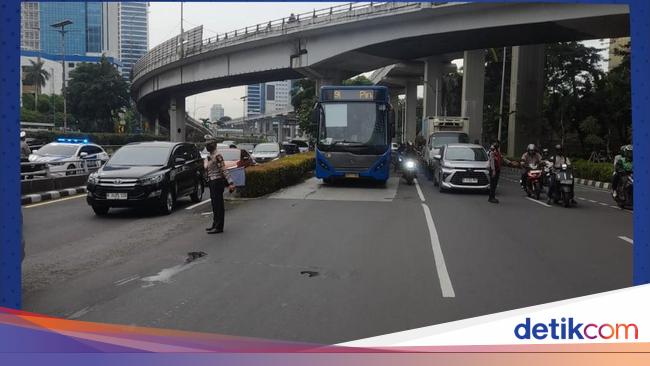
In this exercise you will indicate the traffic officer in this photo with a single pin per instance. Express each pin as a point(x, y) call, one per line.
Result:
point(495, 160)
point(217, 177)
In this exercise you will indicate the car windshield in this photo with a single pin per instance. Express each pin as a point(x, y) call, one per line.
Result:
point(300, 143)
point(266, 148)
point(356, 123)
point(58, 149)
point(140, 156)
point(230, 155)
point(440, 139)
point(457, 153)
point(246, 146)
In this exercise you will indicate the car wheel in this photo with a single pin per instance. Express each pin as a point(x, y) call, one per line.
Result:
point(70, 170)
point(167, 202)
point(197, 196)
point(100, 210)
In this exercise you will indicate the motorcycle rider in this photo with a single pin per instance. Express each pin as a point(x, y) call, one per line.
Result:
point(531, 156)
point(24, 148)
point(558, 160)
point(622, 165)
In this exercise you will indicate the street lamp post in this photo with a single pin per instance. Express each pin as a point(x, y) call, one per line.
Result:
point(62, 25)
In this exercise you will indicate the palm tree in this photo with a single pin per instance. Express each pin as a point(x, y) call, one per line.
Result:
point(36, 74)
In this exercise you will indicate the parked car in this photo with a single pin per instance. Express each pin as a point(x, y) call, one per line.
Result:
point(151, 174)
point(266, 152)
point(461, 166)
point(303, 145)
point(69, 155)
point(290, 149)
point(235, 158)
point(248, 146)
point(230, 144)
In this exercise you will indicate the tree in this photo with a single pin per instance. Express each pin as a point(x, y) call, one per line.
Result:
point(303, 99)
point(359, 80)
point(36, 75)
point(96, 94)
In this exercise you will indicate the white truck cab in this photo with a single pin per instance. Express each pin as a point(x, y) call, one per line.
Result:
point(439, 131)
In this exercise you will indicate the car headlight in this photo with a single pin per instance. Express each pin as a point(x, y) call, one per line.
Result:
point(410, 164)
point(447, 169)
point(153, 179)
point(93, 178)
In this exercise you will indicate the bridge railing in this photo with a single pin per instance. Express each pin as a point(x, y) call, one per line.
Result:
point(192, 42)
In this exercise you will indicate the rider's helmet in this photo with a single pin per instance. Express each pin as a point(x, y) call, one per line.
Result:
point(23, 134)
point(559, 150)
point(626, 151)
point(531, 148)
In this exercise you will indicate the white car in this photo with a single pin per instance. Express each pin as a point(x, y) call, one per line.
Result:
point(68, 155)
point(266, 152)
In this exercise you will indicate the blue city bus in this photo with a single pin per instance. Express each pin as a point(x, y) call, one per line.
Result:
point(355, 129)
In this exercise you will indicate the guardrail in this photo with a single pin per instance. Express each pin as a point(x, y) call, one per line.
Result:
point(191, 42)
point(47, 170)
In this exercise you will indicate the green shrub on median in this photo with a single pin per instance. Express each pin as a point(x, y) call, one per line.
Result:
point(601, 172)
point(269, 177)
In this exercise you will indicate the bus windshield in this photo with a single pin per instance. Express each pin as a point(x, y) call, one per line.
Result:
point(352, 124)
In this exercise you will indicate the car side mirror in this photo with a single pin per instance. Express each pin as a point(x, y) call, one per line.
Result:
point(83, 155)
point(437, 157)
point(179, 161)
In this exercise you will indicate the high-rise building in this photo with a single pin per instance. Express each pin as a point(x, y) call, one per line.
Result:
point(216, 112)
point(133, 33)
point(255, 101)
point(83, 36)
point(30, 26)
point(268, 97)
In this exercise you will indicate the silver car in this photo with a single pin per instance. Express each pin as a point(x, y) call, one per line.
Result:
point(461, 166)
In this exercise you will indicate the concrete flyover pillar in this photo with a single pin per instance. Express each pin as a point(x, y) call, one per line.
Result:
point(433, 72)
point(177, 119)
point(526, 97)
point(411, 108)
point(472, 95)
point(394, 102)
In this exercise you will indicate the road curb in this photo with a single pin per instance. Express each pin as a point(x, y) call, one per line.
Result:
point(50, 195)
point(583, 182)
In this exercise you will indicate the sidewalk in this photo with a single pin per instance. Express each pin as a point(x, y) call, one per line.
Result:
point(50, 195)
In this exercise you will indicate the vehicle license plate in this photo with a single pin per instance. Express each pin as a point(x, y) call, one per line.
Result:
point(470, 180)
point(351, 175)
point(117, 196)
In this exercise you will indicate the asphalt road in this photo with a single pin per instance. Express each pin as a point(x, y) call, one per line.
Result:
point(324, 264)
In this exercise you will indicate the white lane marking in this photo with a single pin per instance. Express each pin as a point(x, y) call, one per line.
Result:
point(206, 213)
point(197, 204)
point(592, 201)
point(54, 201)
point(441, 267)
point(417, 186)
point(603, 204)
point(126, 280)
point(625, 238)
point(80, 313)
point(538, 202)
point(582, 199)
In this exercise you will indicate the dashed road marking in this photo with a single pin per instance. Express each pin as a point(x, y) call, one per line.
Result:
point(538, 202)
point(417, 186)
point(197, 204)
point(441, 267)
point(124, 281)
point(582, 199)
point(592, 201)
point(625, 238)
point(603, 204)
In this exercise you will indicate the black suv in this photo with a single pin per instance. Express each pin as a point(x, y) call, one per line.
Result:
point(147, 173)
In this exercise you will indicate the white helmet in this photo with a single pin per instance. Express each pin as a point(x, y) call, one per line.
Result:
point(23, 134)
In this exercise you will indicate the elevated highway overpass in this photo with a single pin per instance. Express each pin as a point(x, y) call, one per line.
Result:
point(332, 44)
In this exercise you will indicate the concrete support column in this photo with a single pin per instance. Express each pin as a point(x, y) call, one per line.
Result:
point(526, 97)
point(411, 108)
point(156, 127)
point(327, 81)
point(473, 85)
point(177, 119)
point(394, 102)
point(433, 72)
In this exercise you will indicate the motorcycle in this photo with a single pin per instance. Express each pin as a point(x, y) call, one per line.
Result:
point(563, 190)
point(533, 183)
point(624, 192)
point(408, 166)
point(546, 175)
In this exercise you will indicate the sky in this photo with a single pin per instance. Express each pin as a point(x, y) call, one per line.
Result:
point(165, 22)
point(220, 17)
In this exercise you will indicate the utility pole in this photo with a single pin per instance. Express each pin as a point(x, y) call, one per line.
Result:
point(62, 25)
point(503, 80)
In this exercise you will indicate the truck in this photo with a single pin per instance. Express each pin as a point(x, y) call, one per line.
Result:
point(438, 131)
